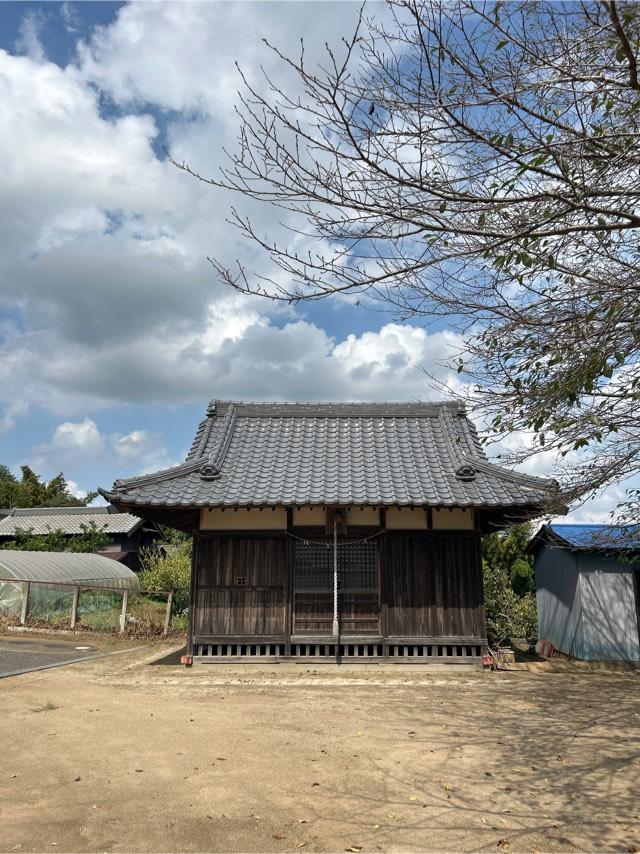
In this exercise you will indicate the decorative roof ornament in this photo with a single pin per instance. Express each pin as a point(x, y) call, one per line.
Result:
point(466, 473)
point(208, 471)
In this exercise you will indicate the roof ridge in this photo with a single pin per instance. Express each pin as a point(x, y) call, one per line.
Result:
point(343, 409)
point(514, 476)
point(217, 456)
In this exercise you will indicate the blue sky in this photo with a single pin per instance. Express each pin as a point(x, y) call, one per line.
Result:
point(114, 331)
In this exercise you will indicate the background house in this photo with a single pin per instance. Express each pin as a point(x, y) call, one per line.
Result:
point(127, 534)
point(588, 590)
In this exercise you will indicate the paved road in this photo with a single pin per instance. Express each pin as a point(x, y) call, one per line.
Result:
point(20, 655)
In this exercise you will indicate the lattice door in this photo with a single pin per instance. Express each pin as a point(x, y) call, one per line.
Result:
point(358, 588)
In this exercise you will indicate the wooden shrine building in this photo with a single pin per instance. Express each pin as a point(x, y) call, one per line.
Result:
point(335, 531)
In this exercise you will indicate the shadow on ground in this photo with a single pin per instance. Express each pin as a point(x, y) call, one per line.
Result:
point(172, 658)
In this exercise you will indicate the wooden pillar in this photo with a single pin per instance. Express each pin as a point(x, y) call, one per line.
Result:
point(26, 587)
point(74, 607)
point(193, 591)
point(123, 615)
point(289, 594)
point(167, 616)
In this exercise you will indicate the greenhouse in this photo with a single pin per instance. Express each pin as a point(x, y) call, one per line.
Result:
point(51, 580)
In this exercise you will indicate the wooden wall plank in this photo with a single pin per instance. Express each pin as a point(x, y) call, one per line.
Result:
point(432, 586)
point(241, 586)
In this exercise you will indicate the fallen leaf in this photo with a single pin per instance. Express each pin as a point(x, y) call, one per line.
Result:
point(503, 843)
point(315, 784)
point(413, 797)
point(377, 826)
point(632, 849)
point(279, 836)
point(355, 848)
point(301, 844)
point(77, 779)
point(97, 806)
point(302, 821)
point(140, 771)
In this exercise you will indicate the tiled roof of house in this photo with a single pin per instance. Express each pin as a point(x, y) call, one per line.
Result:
point(293, 454)
point(69, 520)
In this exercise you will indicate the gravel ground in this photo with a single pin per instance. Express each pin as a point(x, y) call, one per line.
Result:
point(117, 755)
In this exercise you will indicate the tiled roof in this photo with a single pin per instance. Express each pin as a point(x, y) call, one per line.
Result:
point(69, 520)
point(270, 454)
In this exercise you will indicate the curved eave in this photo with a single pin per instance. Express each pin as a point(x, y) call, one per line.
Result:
point(536, 504)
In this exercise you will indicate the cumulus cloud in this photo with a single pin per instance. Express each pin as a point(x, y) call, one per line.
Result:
point(81, 437)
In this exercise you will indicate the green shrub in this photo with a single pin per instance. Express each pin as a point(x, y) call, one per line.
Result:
point(510, 601)
point(522, 577)
point(169, 569)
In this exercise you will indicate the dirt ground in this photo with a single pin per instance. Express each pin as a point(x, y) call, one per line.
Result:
point(120, 754)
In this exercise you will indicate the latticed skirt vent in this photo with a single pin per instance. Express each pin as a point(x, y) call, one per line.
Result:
point(351, 651)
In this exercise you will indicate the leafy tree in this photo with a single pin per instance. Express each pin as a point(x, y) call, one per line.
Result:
point(510, 602)
point(92, 539)
point(169, 568)
point(32, 491)
point(477, 161)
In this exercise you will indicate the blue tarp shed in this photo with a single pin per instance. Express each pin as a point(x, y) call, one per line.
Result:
point(588, 590)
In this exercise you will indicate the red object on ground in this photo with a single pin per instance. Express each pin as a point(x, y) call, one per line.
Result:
point(186, 660)
point(487, 661)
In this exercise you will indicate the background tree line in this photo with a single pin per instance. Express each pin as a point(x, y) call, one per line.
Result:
point(32, 491)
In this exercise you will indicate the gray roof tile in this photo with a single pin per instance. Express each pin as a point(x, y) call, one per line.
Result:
point(69, 520)
point(353, 453)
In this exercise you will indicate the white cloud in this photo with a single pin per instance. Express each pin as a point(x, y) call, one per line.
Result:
point(82, 436)
point(75, 490)
point(29, 35)
point(76, 444)
point(200, 43)
point(11, 413)
point(70, 17)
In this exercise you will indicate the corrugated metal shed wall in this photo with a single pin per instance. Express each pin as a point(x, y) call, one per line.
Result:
point(610, 622)
point(558, 600)
point(586, 605)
